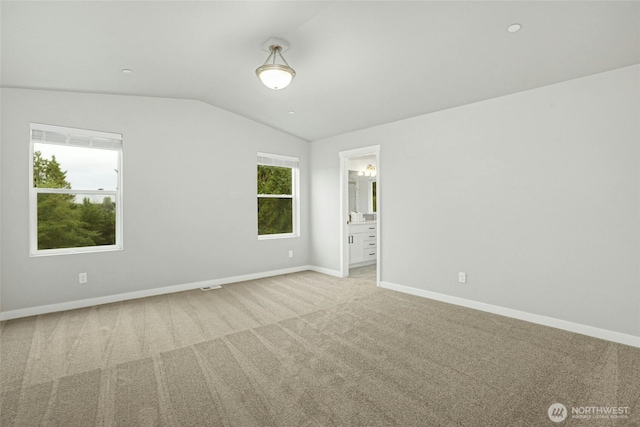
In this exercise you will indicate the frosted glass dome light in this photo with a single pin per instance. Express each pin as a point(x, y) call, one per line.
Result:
point(272, 75)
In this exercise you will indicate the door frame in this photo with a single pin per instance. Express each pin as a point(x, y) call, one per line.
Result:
point(344, 206)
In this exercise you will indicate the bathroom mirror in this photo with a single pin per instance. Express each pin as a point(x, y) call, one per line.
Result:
point(362, 192)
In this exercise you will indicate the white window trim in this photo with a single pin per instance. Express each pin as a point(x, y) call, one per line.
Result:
point(33, 195)
point(295, 195)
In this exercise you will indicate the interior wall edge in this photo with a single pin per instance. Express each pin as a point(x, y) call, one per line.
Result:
point(327, 271)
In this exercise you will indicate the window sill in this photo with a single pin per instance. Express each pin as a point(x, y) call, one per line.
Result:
point(277, 236)
point(72, 251)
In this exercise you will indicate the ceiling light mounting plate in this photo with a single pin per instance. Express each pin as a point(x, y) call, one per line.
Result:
point(275, 41)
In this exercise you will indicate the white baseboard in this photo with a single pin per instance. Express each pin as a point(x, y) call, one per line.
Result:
point(323, 270)
point(591, 331)
point(502, 311)
point(70, 305)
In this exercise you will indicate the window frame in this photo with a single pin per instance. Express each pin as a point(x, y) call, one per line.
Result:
point(282, 161)
point(35, 191)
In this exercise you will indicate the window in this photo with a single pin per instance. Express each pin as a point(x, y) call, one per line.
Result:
point(373, 196)
point(75, 191)
point(278, 205)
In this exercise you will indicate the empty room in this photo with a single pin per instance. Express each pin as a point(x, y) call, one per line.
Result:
point(320, 213)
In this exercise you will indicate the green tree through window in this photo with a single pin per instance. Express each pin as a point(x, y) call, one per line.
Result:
point(374, 196)
point(275, 200)
point(63, 223)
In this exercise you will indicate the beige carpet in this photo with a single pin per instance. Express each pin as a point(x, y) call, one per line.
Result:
point(303, 349)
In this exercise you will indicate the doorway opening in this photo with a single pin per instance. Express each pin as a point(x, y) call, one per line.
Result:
point(360, 229)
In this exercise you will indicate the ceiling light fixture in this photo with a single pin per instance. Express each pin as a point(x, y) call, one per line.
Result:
point(275, 76)
point(514, 28)
point(127, 71)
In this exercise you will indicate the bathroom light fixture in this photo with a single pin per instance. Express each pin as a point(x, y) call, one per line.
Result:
point(275, 76)
point(370, 171)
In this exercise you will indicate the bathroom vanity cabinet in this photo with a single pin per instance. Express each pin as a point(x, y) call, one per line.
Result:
point(363, 238)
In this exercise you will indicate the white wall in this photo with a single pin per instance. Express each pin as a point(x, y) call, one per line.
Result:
point(536, 196)
point(189, 197)
point(360, 163)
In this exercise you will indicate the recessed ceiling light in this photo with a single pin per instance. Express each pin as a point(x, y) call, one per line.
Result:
point(292, 112)
point(127, 71)
point(514, 28)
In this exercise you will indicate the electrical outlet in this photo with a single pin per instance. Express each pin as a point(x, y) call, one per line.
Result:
point(82, 278)
point(462, 277)
point(290, 254)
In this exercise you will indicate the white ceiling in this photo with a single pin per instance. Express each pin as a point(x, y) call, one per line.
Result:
point(358, 64)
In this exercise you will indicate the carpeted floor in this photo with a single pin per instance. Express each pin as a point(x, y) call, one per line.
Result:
point(304, 349)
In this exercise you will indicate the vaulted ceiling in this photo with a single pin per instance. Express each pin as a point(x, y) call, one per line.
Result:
point(359, 64)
